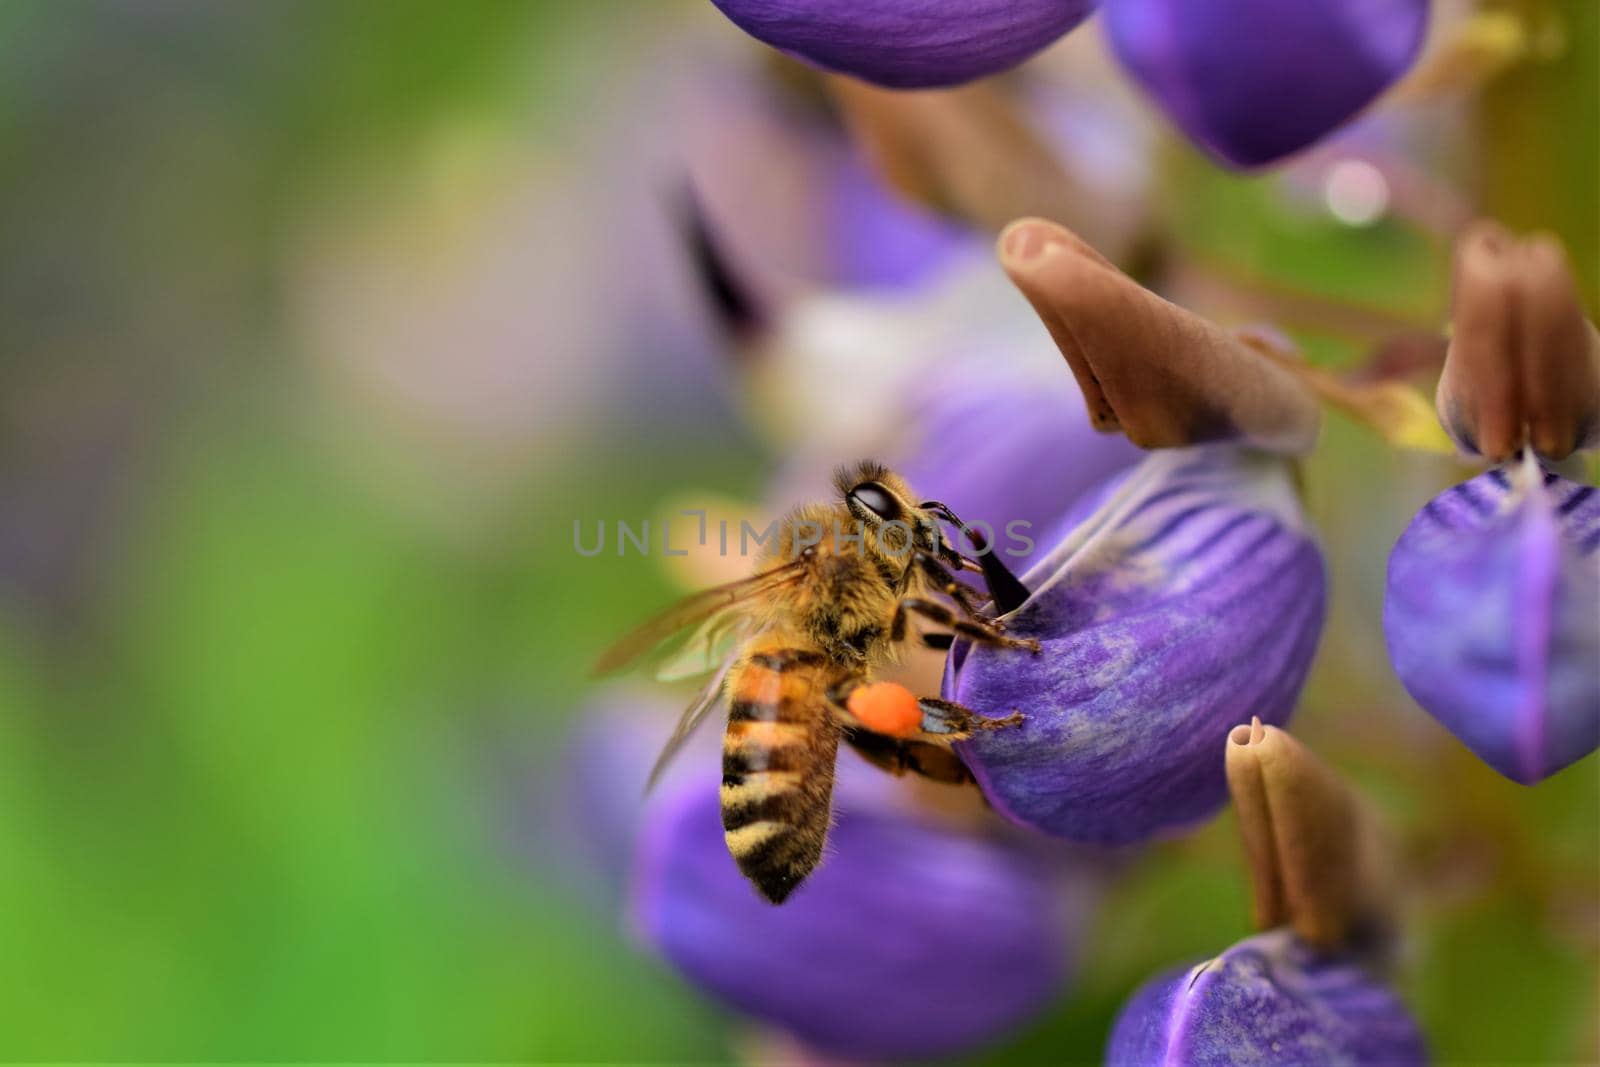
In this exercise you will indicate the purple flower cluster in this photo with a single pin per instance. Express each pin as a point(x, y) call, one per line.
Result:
point(1170, 596)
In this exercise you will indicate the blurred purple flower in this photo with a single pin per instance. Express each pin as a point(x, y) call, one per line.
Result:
point(1250, 81)
point(1492, 621)
point(914, 939)
point(1191, 598)
point(595, 790)
point(911, 908)
point(790, 199)
point(877, 240)
point(908, 44)
point(1267, 1000)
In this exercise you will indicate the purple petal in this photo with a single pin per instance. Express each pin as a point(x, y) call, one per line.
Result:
point(908, 44)
point(911, 939)
point(1252, 81)
point(1492, 620)
point(1189, 601)
point(1267, 1000)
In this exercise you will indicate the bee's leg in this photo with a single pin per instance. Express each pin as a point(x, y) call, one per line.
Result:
point(955, 722)
point(978, 628)
point(945, 582)
point(904, 755)
point(944, 549)
point(943, 722)
point(899, 757)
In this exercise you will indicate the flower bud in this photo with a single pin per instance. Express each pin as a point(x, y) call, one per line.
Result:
point(1319, 860)
point(1523, 366)
point(1162, 375)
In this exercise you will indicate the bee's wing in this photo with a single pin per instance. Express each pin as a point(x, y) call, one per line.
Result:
point(707, 648)
point(692, 717)
point(692, 611)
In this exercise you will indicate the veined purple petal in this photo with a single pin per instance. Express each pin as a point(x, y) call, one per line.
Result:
point(1190, 600)
point(1267, 1000)
point(911, 940)
point(1493, 617)
point(1252, 81)
point(908, 44)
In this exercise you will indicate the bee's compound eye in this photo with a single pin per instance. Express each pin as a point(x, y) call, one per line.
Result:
point(876, 499)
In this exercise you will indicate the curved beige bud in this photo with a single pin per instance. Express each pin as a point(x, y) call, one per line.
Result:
point(1560, 352)
point(1523, 366)
point(1162, 375)
point(1318, 860)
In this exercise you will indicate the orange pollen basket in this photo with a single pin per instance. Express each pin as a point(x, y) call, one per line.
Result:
point(886, 708)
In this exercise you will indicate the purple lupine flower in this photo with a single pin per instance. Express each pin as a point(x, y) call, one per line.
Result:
point(1252, 81)
point(1190, 598)
point(1249, 81)
point(913, 939)
point(908, 44)
point(1492, 617)
point(595, 789)
point(1267, 1000)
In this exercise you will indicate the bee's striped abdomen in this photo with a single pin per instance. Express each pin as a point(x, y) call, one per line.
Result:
point(777, 767)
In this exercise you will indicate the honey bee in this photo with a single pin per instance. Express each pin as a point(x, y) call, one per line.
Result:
point(828, 604)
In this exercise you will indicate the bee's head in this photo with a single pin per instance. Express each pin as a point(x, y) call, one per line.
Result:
point(877, 496)
point(874, 493)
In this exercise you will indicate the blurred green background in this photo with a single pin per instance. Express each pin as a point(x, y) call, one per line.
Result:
point(319, 323)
